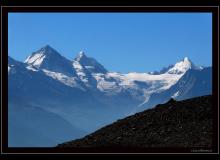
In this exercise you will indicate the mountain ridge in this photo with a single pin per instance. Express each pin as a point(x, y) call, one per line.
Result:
point(48, 50)
point(88, 96)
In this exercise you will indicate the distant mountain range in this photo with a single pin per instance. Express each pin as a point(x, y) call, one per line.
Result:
point(80, 95)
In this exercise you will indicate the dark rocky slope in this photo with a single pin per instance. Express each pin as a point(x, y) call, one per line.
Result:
point(186, 123)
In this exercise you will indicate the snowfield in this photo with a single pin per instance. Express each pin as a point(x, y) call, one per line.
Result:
point(69, 81)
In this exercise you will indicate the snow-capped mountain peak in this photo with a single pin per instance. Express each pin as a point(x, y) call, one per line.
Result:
point(89, 63)
point(186, 59)
point(38, 57)
point(81, 56)
point(181, 67)
point(49, 59)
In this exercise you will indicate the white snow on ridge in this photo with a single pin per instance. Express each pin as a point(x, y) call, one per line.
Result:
point(114, 82)
point(77, 66)
point(31, 68)
point(36, 59)
point(167, 80)
point(181, 67)
point(80, 55)
point(149, 83)
point(115, 75)
point(69, 81)
point(80, 71)
point(144, 77)
point(105, 85)
point(89, 67)
point(148, 77)
point(154, 83)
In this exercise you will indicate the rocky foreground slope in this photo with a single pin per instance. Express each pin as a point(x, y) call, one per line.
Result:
point(186, 123)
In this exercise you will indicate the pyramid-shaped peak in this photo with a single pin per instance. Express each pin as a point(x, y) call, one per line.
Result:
point(81, 55)
point(89, 63)
point(49, 59)
point(47, 50)
point(82, 58)
point(47, 47)
point(44, 52)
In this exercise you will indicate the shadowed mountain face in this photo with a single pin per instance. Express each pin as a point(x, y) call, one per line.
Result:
point(186, 123)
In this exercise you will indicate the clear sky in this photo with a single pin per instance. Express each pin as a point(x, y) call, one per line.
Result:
point(123, 42)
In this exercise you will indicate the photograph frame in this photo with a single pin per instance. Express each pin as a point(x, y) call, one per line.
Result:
point(103, 9)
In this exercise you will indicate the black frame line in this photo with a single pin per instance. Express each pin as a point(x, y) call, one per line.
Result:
point(107, 9)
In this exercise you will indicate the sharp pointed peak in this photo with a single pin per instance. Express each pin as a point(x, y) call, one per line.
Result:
point(46, 52)
point(186, 59)
point(89, 63)
point(47, 48)
point(81, 55)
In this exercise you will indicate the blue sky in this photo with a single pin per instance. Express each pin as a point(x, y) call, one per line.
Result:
point(122, 42)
